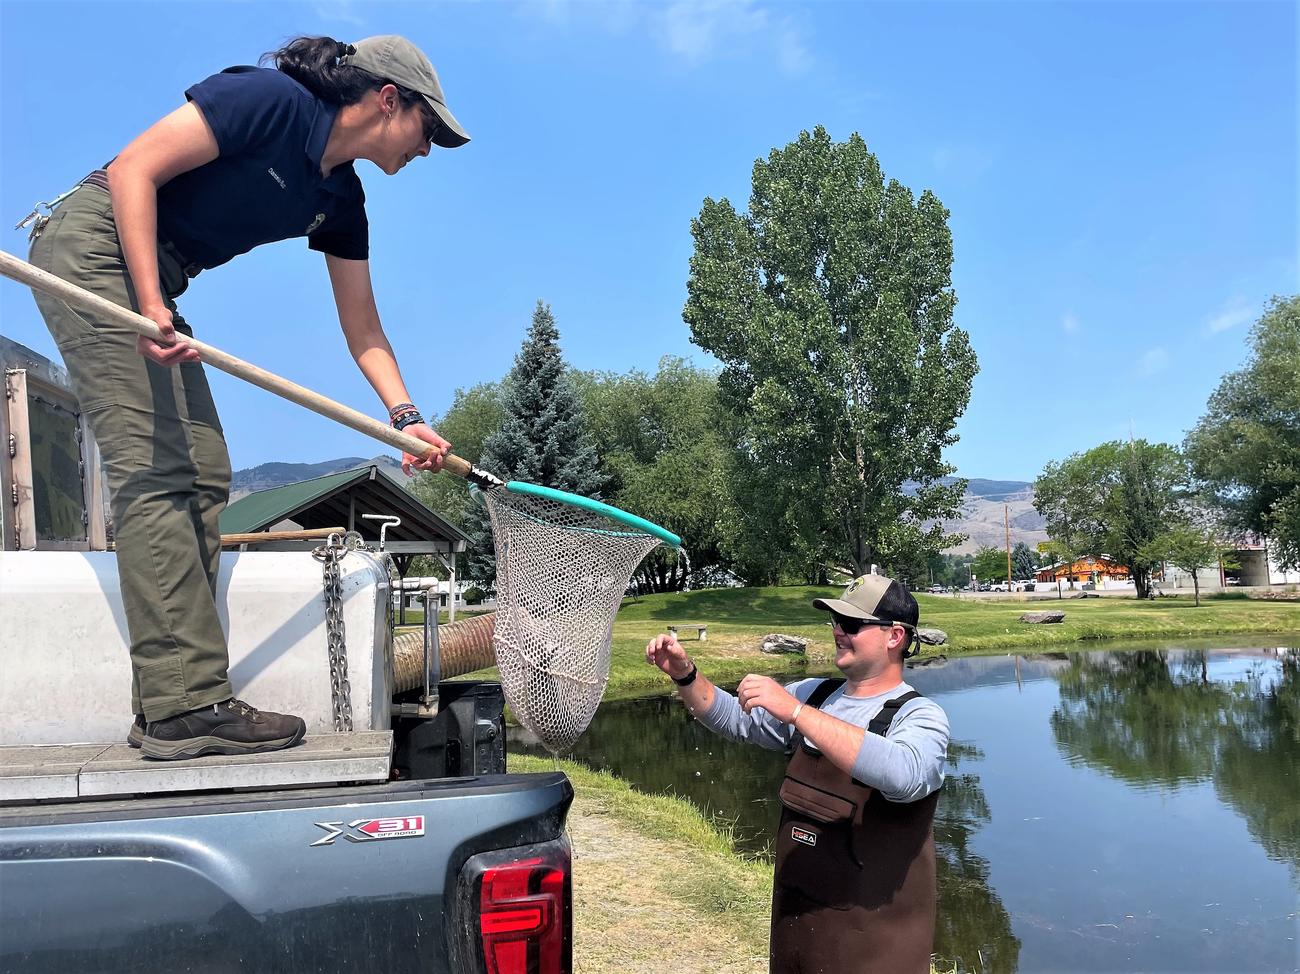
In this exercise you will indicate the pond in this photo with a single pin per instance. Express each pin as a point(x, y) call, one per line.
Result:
point(1103, 811)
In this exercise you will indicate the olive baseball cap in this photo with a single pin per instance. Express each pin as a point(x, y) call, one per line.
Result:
point(875, 598)
point(394, 58)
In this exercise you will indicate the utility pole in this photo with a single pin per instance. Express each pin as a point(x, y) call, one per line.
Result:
point(1006, 517)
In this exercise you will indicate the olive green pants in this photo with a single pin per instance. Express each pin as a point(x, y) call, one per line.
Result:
point(164, 457)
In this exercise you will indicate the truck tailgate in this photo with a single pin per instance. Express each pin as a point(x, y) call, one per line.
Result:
point(354, 878)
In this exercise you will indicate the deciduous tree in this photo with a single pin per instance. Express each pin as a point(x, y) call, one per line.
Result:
point(1246, 448)
point(1114, 499)
point(830, 306)
point(990, 565)
point(664, 441)
point(1186, 546)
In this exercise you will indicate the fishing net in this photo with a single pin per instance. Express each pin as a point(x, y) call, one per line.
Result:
point(562, 571)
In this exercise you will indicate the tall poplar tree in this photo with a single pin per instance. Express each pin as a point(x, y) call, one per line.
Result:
point(830, 307)
point(542, 439)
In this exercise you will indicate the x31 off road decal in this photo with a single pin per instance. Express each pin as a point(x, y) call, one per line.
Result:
point(370, 829)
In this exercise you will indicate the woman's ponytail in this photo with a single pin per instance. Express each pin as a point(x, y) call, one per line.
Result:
point(317, 63)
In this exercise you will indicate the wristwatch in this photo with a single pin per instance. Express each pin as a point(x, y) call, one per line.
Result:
point(689, 678)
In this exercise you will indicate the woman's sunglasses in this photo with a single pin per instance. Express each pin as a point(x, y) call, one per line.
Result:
point(432, 124)
point(851, 627)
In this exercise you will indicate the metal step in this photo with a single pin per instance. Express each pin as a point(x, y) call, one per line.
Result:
point(69, 771)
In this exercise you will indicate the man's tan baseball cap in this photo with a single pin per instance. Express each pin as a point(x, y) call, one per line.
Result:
point(875, 598)
point(394, 58)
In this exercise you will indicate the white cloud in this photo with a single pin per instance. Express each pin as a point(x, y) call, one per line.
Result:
point(1070, 323)
point(339, 11)
point(1235, 312)
point(967, 159)
point(695, 31)
point(1153, 360)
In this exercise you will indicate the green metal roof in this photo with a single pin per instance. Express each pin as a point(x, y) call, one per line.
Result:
point(338, 500)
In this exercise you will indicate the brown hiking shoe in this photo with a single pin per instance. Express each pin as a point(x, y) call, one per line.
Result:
point(135, 736)
point(232, 727)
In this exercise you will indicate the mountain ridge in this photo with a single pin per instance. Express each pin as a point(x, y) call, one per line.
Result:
point(985, 507)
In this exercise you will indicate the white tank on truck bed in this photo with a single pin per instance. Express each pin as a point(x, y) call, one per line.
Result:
point(65, 667)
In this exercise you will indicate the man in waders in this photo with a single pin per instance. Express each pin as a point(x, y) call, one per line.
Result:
point(855, 877)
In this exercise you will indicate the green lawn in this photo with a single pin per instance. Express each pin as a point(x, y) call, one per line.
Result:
point(738, 618)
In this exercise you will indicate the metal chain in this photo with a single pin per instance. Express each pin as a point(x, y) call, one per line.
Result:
point(331, 553)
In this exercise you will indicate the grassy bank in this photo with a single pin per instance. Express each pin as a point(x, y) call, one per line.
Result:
point(738, 618)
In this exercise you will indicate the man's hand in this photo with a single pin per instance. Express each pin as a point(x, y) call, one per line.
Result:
point(665, 652)
point(169, 351)
point(422, 432)
point(763, 691)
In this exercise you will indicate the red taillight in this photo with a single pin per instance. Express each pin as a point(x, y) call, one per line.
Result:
point(524, 917)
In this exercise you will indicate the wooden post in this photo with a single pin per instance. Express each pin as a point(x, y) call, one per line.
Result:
point(22, 505)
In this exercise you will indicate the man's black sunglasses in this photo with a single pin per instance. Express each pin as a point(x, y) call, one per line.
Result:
point(851, 627)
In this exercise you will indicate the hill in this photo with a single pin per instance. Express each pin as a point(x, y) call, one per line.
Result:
point(278, 474)
point(981, 518)
point(986, 505)
point(983, 513)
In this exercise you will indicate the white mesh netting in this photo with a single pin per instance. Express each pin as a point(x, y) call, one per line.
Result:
point(561, 573)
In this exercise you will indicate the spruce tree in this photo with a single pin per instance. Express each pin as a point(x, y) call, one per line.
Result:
point(543, 439)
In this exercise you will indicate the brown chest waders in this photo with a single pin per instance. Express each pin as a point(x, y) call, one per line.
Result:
point(855, 889)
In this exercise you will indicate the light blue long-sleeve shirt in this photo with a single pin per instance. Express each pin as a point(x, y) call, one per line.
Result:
point(905, 765)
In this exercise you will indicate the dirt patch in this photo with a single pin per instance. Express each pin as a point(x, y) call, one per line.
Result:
point(630, 914)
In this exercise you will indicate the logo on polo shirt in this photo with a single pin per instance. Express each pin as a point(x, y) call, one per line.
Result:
point(276, 176)
point(320, 218)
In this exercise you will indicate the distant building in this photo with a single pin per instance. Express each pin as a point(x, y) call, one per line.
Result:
point(1100, 569)
point(1255, 566)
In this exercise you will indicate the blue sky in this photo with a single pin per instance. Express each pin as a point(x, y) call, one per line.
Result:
point(1122, 180)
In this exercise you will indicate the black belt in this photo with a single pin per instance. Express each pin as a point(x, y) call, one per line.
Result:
point(99, 179)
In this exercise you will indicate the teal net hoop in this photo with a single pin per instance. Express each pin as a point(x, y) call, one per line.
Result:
point(564, 563)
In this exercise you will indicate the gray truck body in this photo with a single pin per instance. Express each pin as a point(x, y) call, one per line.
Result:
point(256, 883)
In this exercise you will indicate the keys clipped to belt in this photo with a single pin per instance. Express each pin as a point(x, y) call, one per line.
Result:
point(37, 219)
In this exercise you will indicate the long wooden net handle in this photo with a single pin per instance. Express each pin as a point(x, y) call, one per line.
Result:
point(262, 537)
point(20, 270)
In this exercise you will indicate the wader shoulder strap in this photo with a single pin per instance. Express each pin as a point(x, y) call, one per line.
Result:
point(815, 699)
point(880, 723)
point(822, 691)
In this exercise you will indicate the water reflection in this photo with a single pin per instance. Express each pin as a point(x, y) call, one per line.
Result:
point(1158, 721)
point(974, 928)
point(1093, 813)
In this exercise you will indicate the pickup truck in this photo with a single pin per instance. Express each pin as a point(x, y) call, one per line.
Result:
point(398, 849)
point(403, 846)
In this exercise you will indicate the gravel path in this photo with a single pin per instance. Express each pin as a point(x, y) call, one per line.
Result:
point(629, 914)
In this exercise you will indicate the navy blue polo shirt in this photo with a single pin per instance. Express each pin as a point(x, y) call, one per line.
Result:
point(265, 183)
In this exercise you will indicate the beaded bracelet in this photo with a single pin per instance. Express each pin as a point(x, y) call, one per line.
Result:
point(407, 419)
point(401, 407)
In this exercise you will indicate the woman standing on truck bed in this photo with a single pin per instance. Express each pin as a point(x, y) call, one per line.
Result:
point(255, 155)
